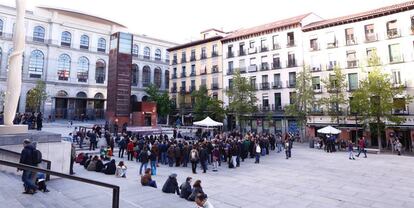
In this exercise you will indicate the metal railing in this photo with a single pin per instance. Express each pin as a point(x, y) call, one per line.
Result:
point(115, 189)
point(46, 162)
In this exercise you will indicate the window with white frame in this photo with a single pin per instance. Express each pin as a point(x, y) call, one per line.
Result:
point(64, 65)
point(36, 64)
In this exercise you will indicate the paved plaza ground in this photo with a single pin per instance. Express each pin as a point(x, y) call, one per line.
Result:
point(311, 178)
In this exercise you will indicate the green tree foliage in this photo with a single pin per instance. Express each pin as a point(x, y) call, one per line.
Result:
point(164, 103)
point(205, 105)
point(36, 96)
point(335, 85)
point(375, 98)
point(303, 100)
point(242, 97)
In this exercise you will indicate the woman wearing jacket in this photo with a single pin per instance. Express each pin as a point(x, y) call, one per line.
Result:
point(196, 190)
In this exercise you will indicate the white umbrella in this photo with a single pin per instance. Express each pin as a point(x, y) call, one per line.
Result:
point(329, 130)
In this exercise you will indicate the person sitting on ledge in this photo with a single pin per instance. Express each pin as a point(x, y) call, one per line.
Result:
point(146, 179)
point(99, 164)
point(186, 188)
point(92, 164)
point(110, 168)
point(171, 185)
point(87, 161)
point(197, 189)
point(121, 170)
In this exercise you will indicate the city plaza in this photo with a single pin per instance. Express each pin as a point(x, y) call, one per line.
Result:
point(95, 70)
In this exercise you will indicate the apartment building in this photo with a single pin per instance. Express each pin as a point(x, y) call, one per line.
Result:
point(269, 56)
point(195, 64)
point(348, 42)
point(69, 50)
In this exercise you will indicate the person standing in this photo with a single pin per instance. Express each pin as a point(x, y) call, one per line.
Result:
point(216, 158)
point(144, 159)
point(288, 149)
point(203, 158)
point(398, 146)
point(351, 150)
point(258, 151)
point(27, 158)
point(153, 159)
point(39, 121)
point(361, 145)
point(72, 158)
point(122, 146)
point(194, 159)
point(130, 151)
point(92, 140)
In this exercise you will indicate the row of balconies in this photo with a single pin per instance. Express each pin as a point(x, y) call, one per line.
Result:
point(349, 112)
point(270, 85)
point(193, 57)
point(184, 90)
point(214, 70)
point(263, 67)
point(150, 58)
point(264, 48)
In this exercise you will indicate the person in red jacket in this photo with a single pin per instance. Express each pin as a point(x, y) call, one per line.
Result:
point(361, 145)
point(130, 150)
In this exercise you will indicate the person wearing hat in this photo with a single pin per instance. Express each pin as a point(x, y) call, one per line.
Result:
point(27, 158)
point(171, 185)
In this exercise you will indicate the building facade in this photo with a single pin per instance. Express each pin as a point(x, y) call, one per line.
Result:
point(348, 42)
point(68, 50)
point(196, 64)
point(269, 56)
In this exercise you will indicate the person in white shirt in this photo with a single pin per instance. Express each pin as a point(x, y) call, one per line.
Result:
point(258, 152)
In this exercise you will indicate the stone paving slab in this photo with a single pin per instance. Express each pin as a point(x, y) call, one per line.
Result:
point(311, 178)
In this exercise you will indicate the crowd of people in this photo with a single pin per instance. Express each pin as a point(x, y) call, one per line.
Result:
point(33, 120)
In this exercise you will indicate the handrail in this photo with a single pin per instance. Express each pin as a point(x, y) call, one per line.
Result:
point(48, 162)
point(116, 189)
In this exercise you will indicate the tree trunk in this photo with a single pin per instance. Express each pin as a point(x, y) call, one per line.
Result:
point(379, 134)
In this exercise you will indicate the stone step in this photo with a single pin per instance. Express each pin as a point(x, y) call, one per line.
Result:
point(11, 195)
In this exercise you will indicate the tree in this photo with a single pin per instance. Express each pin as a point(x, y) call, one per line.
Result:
point(162, 99)
point(336, 87)
point(205, 105)
point(303, 100)
point(242, 97)
point(36, 96)
point(376, 96)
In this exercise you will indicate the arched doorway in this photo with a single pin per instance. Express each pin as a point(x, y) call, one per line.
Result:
point(80, 106)
point(99, 105)
point(144, 98)
point(61, 104)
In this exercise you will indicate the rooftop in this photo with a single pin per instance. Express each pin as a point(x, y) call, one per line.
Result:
point(360, 16)
point(194, 43)
point(266, 27)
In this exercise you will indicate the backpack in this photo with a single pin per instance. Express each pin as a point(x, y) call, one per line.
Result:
point(37, 157)
point(193, 155)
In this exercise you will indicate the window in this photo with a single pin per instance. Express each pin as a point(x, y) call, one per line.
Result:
point(66, 39)
point(292, 97)
point(265, 82)
point(183, 57)
point(276, 81)
point(193, 55)
point(291, 59)
point(174, 61)
point(353, 81)
point(135, 75)
point(251, 44)
point(135, 50)
point(157, 77)
point(396, 78)
point(167, 79)
point(276, 62)
point(290, 39)
point(146, 76)
point(278, 101)
point(331, 40)
point(371, 52)
point(369, 33)
point(100, 71)
point(242, 65)
point(412, 23)
point(265, 101)
point(83, 69)
point(101, 45)
point(174, 72)
point(392, 30)
point(275, 42)
point(84, 42)
point(395, 53)
point(204, 82)
point(349, 36)
point(230, 53)
point(314, 64)
point(253, 82)
point(192, 86)
point(230, 84)
point(314, 44)
point(215, 84)
point(193, 72)
point(1, 27)
point(242, 51)
point(147, 53)
point(400, 106)
point(36, 64)
point(39, 34)
point(331, 61)
point(203, 53)
point(183, 72)
point(64, 67)
point(351, 59)
point(158, 54)
point(263, 46)
point(292, 79)
point(214, 52)
point(316, 83)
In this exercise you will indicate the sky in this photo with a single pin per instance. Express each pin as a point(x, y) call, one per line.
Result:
point(182, 21)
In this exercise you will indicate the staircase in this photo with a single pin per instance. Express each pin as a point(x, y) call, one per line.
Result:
point(11, 195)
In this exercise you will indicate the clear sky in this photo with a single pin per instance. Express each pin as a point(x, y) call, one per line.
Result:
point(182, 20)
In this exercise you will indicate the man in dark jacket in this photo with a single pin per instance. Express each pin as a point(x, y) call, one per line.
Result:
point(92, 140)
point(109, 168)
point(203, 158)
point(122, 146)
point(144, 159)
point(171, 185)
point(186, 188)
point(26, 157)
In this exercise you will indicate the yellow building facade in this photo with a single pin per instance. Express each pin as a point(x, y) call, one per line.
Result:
point(195, 64)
